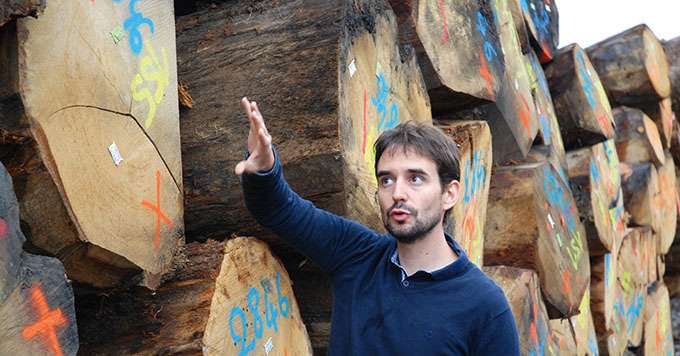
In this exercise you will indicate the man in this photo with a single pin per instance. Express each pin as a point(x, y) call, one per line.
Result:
point(412, 291)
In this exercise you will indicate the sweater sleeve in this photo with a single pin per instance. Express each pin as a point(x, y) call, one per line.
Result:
point(329, 240)
point(498, 336)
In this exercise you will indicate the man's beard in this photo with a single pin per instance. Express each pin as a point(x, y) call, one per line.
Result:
point(411, 233)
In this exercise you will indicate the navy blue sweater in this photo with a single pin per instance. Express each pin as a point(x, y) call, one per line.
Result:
point(377, 310)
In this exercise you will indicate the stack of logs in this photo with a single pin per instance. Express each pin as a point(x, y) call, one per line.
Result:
point(568, 167)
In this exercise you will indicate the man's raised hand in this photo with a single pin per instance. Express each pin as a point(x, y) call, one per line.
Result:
point(261, 157)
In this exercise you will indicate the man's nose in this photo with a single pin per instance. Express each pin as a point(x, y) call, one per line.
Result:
point(399, 192)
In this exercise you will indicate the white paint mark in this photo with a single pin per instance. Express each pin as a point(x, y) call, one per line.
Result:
point(516, 84)
point(550, 219)
point(547, 8)
point(268, 346)
point(533, 7)
point(352, 69)
point(115, 154)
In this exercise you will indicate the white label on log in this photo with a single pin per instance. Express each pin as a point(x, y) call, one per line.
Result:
point(352, 69)
point(115, 154)
point(268, 346)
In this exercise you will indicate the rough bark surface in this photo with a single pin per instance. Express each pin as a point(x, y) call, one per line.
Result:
point(12, 9)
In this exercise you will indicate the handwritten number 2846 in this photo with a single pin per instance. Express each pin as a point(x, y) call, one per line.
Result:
point(271, 313)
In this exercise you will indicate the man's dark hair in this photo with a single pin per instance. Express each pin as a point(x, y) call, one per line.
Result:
point(426, 140)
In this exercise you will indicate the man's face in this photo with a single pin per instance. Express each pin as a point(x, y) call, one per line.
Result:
point(412, 201)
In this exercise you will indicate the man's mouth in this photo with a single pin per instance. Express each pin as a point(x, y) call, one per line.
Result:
point(399, 215)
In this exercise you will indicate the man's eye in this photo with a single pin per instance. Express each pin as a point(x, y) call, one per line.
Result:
point(417, 179)
point(385, 181)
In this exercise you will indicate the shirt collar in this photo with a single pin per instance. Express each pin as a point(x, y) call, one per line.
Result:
point(455, 268)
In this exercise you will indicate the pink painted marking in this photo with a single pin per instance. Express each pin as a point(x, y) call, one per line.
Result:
point(442, 13)
point(3, 229)
point(363, 145)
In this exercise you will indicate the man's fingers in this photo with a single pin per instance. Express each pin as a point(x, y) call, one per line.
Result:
point(258, 117)
point(246, 106)
point(265, 138)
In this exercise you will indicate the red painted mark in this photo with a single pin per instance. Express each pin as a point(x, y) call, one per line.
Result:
point(363, 144)
point(285, 352)
point(657, 334)
point(484, 72)
point(545, 54)
point(605, 124)
point(47, 322)
point(566, 282)
point(157, 209)
point(677, 202)
point(3, 229)
point(524, 115)
point(442, 13)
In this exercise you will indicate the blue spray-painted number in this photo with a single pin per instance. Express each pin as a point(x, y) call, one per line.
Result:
point(133, 24)
point(271, 314)
point(381, 105)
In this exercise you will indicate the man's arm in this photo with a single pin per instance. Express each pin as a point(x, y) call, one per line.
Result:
point(329, 240)
point(498, 336)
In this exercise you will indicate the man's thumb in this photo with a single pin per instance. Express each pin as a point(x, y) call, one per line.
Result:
point(240, 168)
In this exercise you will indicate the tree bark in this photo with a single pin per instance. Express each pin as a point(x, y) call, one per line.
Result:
point(522, 290)
point(580, 102)
point(457, 47)
point(36, 300)
point(596, 186)
point(468, 216)
point(637, 138)
point(532, 223)
point(12, 9)
point(632, 66)
point(329, 78)
point(211, 305)
point(94, 141)
point(672, 49)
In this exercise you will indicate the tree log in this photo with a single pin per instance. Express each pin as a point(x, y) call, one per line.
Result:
point(457, 47)
point(662, 114)
point(637, 258)
point(637, 138)
point(532, 223)
point(667, 205)
point(584, 328)
point(94, 137)
point(640, 184)
point(512, 118)
point(468, 217)
point(632, 66)
point(605, 293)
point(596, 186)
point(630, 308)
point(580, 102)
point(549, 128)
point(542, 19)
point(658, 339)
point(36, 300)
point(524, 295)
point(562, 337)
point(12, 9)
point(330, 80)
point(224, 298)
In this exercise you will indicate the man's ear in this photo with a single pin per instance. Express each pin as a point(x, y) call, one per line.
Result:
point(450, 194)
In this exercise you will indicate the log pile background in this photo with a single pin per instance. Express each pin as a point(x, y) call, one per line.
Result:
point(120, 156)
